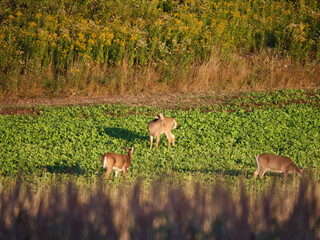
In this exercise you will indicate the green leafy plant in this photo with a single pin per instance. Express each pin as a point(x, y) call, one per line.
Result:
point(71, 140)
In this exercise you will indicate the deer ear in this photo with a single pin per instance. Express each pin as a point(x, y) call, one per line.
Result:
point(156, 116)
point(126, 149)
point(132, 149)
point(161, 115)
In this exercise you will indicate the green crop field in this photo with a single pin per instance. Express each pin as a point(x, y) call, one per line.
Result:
point(85, 77)
point(52, 182)
point(217, 139)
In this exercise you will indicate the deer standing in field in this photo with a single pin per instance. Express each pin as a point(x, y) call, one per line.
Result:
point(161, 125)
point(276, 163)
point(117, 162)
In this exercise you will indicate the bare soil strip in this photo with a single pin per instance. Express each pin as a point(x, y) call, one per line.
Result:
point(164, 101)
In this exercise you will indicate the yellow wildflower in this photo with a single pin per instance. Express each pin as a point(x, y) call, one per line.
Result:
point(90, 41)
point(81, 37)
point(110, 35)
point(32, 24)
point(108, 42)
point(134, 37)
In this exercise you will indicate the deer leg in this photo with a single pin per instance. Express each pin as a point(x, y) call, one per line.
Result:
point(285, 174)
point(173, 139)
point(108, 171)
point(262, 172)
point(256, 173)
point(117, 172)
point(157, 143)
point(125, 172)
point(299, 173)
point(151, 141)
point(169, 139)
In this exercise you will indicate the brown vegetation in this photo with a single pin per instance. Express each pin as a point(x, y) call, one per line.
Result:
point(218, 75)
point(105, 48)
point(186, 210)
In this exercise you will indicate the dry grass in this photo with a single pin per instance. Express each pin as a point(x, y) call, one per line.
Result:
point(128, 47)
point(165, 210)
point(220, 75)
point(254, 72)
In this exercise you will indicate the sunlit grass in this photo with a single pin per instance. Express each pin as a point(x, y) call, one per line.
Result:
point(164, 208)
point(88, 47)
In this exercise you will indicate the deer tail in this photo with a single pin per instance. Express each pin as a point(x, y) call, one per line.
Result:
point(175, 124)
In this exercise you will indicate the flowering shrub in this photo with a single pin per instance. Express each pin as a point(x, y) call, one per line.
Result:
point(67, 37)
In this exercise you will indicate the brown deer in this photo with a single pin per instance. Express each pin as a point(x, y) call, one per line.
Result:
point(161, 125)
point(276, 163)
point(117, 162)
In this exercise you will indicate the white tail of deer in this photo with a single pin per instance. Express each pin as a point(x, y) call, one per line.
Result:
point(276, 163)
point(117, 162)
point(161, 125)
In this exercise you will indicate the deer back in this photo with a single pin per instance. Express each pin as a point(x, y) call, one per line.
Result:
point(171, 123)
point(114, 159)
point(275, 162)
point(161, 124)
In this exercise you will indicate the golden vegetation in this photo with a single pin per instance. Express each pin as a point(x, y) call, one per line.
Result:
point(160, 210)
point(110, 47)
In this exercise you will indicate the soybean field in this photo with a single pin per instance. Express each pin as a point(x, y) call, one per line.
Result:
point(221, 138)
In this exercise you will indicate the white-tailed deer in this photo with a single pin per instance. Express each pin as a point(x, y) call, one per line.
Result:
point(162, 125)
point(117, 162)
point(276, 163)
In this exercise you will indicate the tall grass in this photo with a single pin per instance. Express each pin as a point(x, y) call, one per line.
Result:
point(159, 210)
point(84, 47)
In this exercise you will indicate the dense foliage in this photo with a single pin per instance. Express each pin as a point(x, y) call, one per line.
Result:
point(144, 31)
point(55, 43)
point(215, 139)
point(52, 183)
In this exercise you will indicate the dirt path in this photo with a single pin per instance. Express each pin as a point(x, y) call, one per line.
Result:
point(165, 101)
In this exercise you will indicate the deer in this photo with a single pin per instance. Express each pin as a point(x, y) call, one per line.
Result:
point(276, 163)
point(161, 125)
point(117, 162)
